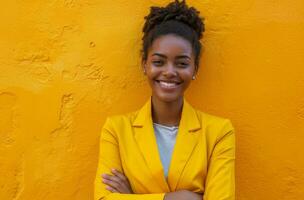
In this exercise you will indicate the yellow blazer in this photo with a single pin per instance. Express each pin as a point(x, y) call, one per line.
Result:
point(202, 161)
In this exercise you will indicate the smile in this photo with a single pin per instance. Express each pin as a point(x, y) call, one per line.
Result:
point(167, 85)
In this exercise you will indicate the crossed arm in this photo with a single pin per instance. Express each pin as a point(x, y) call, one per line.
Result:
point(113, 185)
point(118, 183)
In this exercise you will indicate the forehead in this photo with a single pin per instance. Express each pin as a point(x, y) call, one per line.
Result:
point(171, 45)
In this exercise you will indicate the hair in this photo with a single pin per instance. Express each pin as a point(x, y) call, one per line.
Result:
point(178, 19)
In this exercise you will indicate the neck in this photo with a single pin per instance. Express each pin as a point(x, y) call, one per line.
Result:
point(167, 113)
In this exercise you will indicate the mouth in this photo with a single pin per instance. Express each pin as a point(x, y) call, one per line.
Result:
point(168, 84)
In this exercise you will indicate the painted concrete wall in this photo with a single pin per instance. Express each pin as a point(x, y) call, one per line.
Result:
point(67, 64)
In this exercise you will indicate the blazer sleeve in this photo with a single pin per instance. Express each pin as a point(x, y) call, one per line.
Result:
point(220, 181)
point(109, 158)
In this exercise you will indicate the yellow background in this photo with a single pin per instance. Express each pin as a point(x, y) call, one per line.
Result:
point(67, 64)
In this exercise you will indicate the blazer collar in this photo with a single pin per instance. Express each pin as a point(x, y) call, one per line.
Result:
point(186, 141)
point(189, 117)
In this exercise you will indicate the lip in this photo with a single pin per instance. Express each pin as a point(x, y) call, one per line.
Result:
point(169, 81)
point(167, 85)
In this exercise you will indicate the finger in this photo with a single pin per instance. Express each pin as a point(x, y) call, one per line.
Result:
point(111, 189)
point(113, 178)
point(125, 184)
point(112, 184)
point(124, 180)
point(120, 185)
point(117, 183)
point(119, 174)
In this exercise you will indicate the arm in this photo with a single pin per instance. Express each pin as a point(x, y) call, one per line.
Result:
point(118, 183)
point(220, 181)
point(109, 158)
point(183, 195)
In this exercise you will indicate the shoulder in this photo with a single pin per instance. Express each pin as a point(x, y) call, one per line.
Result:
point(214, 125)
point(120, 120)
point(214, 120)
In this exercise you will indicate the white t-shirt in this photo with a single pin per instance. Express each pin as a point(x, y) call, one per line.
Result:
point(165, 137)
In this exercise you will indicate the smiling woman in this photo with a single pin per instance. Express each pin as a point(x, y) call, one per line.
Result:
point(170, 67)
point(167, 149)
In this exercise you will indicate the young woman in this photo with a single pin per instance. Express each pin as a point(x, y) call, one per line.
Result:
point(167, 149)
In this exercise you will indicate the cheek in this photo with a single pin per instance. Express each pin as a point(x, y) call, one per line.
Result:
point(150, 75)
point(187, 75)
point(152, 72)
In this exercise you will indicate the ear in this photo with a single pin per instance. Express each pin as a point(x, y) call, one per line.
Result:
point(195, 70)
point(143, 65)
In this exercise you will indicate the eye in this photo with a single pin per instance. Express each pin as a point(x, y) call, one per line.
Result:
point(182, 64)
point(158, 63)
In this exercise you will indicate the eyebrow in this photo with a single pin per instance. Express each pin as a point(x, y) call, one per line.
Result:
point(163, 56)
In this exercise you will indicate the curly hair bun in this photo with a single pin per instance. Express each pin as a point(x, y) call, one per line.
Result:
point(178, 11)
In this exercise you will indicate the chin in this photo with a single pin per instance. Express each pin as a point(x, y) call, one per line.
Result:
point(168, 97)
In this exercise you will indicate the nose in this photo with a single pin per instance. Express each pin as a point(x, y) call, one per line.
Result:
point(170, 71)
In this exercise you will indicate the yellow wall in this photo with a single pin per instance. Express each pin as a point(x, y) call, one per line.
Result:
point(67, 64)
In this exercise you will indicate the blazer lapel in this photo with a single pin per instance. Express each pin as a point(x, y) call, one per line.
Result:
point(187, 138)
point(186, 141)
point(145, 137)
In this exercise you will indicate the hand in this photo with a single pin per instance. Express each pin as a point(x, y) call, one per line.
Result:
point(183, 195)
point(117, 182)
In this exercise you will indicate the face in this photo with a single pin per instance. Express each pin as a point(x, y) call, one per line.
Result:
point(169, 67)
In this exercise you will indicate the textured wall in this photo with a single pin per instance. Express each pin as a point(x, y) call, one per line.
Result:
point(67, 64)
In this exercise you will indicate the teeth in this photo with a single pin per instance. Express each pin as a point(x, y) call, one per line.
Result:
point(167, 85)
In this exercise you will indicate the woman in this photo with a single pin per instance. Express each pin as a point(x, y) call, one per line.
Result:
point(167, 149)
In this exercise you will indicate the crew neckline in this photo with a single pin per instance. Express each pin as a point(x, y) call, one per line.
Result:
point(167, 127)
